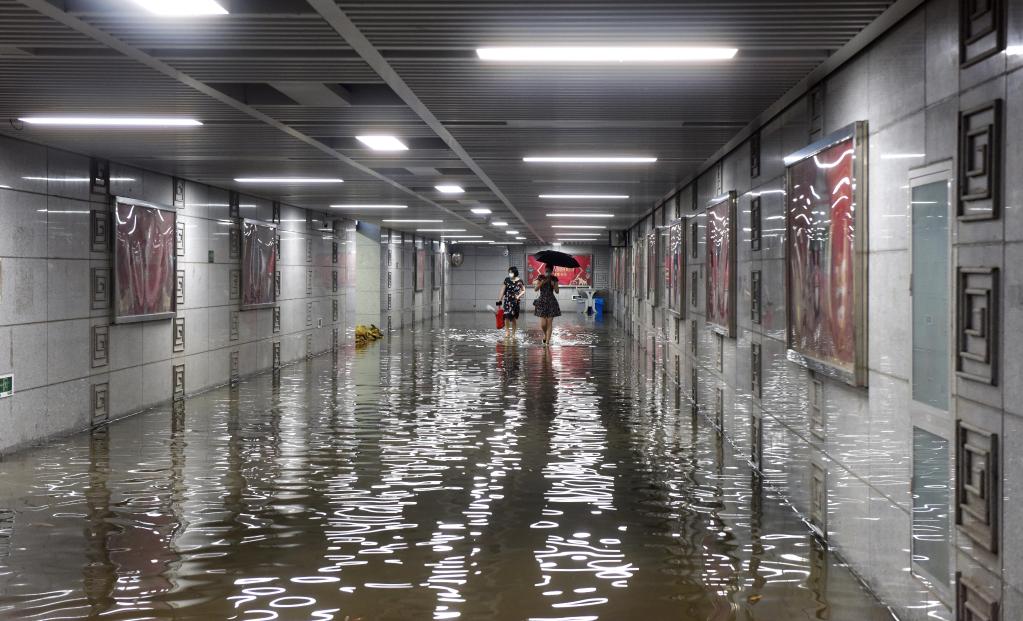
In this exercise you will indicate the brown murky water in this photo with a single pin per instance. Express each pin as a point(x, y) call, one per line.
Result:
point(441, 474)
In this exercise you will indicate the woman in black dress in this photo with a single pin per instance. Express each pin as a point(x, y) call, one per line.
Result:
point(547, 307)
point(511, 295)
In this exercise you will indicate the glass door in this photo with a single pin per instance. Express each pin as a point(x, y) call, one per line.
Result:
point(931, 343)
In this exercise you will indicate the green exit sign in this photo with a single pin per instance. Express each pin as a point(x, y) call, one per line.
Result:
point(6, 386)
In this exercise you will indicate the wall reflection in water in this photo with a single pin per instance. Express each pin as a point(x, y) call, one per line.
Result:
point(446, 473)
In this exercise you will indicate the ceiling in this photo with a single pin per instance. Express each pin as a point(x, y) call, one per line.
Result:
point(284, 86)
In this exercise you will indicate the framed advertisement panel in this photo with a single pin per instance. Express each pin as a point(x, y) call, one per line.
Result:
point(259, 263)
point(676, 267)
point(825, 255)
point(420, 269)
point(651, 268)
point(581, 276)
point(638, 273)
point(438, 268)
point(721, 269)
point(145, 261)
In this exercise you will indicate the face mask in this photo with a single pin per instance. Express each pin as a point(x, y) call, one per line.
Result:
point(510, 275)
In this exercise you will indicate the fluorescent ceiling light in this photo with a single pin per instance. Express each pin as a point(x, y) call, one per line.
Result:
point(580, 215)
point(382, 143)
point(556, 244)
point(74, 179)
point(500, 223)
point(181, 8)
point(520, 237)
point(289, 180)
point(586, 196)
point(108, 121)
point(577, 226)
point(461, 237)
point(901, 156)
point(440, 230)
point(481, 211)
point(605, 54)
point(369, 206)
point(578, 236)
point(416, 221)
point(1014, 50)
point(450, 189)
point(512, 232)
point(585, 159)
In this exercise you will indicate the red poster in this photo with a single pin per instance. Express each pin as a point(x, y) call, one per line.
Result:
point(259, 264)
point(821, 256)
point(581, 276)
point(721, 266)
point(144, 261)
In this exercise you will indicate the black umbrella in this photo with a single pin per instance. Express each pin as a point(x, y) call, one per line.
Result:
point(555, 258)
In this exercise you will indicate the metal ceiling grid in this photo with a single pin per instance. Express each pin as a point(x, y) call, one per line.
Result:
point(501, 112)
point(96, 77)
point(459, 115)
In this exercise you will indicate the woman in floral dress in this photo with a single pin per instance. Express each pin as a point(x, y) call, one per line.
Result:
point(511, 295)
point(547, 307)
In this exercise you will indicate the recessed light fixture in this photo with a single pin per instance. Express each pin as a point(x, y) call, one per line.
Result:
point(440, 230)
point(556, 244)
point(602, 54)
point(369, 206)
point(481, 211)
point(577, 226)
point(414, 221)
point(499, 223)
point(520, 237)
point(461, 237)
point(512, 232)
point(108, 121)
point(382, 143)
point(598, 197)
point(580, 215)
point(74, 179)
point(586, 159)
point(182, 8)
point(902, 156)
point(295, 180)
point(1014, 50)
point(450, 189)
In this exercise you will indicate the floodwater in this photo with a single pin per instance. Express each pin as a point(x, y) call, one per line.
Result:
point(445, 473)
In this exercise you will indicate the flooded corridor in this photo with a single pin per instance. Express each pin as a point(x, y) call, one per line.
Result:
point(438, 474)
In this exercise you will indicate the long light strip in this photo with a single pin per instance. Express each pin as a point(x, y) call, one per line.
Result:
point(295, 180)
point(450, 189)
point(108, 121)
point(369, 206)
point(623, 54)
point(382, 143)
point(481, 211)
point(440, 230)
point(580, 215)
point(597, 197)
point(585, 159)
point(577, 226)
point(182, 8)
point(414, 221)
point(461, 237)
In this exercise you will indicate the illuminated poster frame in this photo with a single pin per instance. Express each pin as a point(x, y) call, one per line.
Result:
point(825, 281)
point(268, 232)
point(143, 263)
point(721, 265)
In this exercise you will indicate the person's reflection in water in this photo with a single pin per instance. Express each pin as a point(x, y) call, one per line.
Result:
point(508, 359)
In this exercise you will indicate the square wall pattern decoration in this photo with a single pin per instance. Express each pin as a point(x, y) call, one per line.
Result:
point(145, 261)
point(825, 255)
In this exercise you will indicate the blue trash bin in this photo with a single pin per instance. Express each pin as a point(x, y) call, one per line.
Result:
point(598, 307)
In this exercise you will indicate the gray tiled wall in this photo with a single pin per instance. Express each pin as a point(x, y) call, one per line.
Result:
point(47, 319)
point(910, 89)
